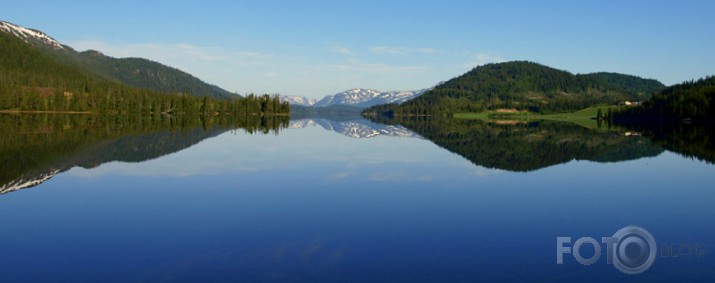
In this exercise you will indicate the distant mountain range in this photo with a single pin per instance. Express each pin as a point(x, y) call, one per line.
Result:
point(134, 72)
point(357, 97)
point(298, 100)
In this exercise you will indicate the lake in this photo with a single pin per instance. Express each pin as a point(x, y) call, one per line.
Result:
point(344, 199)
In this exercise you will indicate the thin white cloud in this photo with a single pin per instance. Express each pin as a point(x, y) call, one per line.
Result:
point(401, 51)
point(354, 65)
point(373, 68)
point(221, 66)
point(482, 59)
point(158, 52)
point(342, 50)
point(337, 176)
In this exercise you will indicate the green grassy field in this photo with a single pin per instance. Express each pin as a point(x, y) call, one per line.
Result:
point(584, 117)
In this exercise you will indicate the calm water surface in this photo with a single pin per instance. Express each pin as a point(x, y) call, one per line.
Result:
point(316, 205)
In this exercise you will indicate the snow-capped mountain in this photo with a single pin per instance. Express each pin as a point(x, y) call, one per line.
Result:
point(298, 100)
point(349, 97)
point(358, 128)
point(360, 97)
point(357, 97)
point(398, 97)
point(29, 34)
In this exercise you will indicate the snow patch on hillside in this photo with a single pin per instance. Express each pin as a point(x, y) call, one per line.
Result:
point(29, 34)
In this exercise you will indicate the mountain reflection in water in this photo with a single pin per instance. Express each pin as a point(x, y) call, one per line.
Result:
point(37, 147)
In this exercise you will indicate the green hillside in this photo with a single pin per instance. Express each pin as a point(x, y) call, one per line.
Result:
point(29, 77)
point(693, 100)
point(32, 79)
point(136, 72)
point(524, 86)
point(634, 86)
point(143, 73)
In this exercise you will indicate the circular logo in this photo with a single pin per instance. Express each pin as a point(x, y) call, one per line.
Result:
point(635, 250)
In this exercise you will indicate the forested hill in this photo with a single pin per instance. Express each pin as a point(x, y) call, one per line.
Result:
point(631, 85)
point(526, 86)
point(693, 100)
point(35, 80)
point(136, 72)
point(27, 74)
point(143, 73)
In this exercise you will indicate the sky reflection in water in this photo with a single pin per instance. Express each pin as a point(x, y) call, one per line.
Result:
point(312, 205)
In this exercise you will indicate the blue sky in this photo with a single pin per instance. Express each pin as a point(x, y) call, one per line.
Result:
point(317, 48)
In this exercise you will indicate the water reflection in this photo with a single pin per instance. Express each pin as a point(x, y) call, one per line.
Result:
point(692, 141)
point(314, 205)
point(528, 146)
point(355, 128)
point(35, 148)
